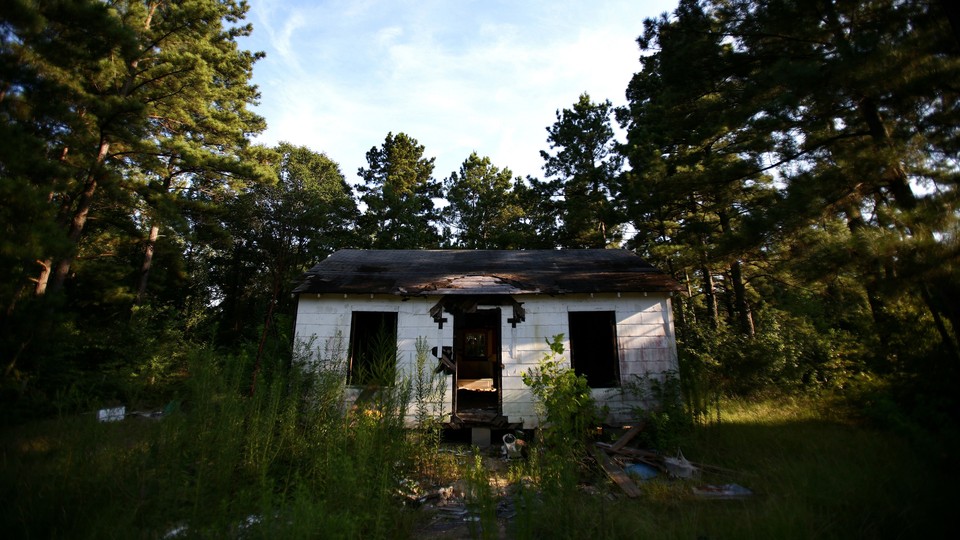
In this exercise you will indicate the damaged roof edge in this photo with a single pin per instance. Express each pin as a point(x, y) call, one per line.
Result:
point(438, 272)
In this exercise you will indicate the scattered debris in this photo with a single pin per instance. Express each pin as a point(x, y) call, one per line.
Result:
point(679, 467)
point(177, 531)
point(513, 447)
point(114, 414)
point(641, 470)
point(627, 437)
point(506, 509)
point(657, 460)
point(645, 465)
point(726, 491)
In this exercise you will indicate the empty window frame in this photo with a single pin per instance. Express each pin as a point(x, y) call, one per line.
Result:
point(373, 348)
point(593, 347)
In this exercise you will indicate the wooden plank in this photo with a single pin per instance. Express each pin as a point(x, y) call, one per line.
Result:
point(627, 451)
point(616, 473)
point(627, 437)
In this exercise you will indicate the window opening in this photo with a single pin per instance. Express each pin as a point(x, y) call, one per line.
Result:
point(593, 347)
point(373, 348)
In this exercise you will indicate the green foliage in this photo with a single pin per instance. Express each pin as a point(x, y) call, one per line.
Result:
point(288, 461)
point(786, 355)
point(667, 417)
point(481, 500)
point(130, 119)
point(428, 394)
point(398, 190)
point(484, 210)
point(276, 231)
point(815, 472)
point(834, 262)
point(585, 165)
point(564, 398)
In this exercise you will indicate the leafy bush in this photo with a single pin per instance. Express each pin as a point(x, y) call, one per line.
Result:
point(668, 419)
point(786, 355)
point(564, 398)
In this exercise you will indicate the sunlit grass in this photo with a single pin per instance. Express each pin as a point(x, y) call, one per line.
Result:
point(814, 474)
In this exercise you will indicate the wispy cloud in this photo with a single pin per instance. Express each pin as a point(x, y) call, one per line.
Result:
point(459, 77)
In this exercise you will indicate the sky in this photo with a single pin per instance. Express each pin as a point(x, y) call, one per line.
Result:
point(460, 76)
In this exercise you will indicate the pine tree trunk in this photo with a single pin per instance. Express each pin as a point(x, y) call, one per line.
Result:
point(63, 213)
point(872, 279)
point(45, 266)
point(686, 280)
point(744, 314)
point(710, 296)
point(147, 263)
point(742, 306)
point(79, 219)
point(150, 249)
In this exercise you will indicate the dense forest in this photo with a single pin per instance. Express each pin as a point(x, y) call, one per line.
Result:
point(793, 164)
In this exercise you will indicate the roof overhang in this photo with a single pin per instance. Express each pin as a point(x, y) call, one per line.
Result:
point(484, 272)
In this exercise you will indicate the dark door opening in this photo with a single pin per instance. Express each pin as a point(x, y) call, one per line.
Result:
point(476, 345)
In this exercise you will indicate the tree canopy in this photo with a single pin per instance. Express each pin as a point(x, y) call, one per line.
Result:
point(793, 164)
point(398, 191)
point(484, 210)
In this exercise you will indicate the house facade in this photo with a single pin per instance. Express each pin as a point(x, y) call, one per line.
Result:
point(488, 317)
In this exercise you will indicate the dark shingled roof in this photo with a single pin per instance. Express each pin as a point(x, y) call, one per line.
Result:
point(440, 272)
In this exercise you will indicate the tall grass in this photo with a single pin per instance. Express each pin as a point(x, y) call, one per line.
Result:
point(814, 473)
point(287, 462)
point(292, 461)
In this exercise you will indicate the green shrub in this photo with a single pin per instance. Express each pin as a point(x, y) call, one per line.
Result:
point(667, 419)
point(564, 398)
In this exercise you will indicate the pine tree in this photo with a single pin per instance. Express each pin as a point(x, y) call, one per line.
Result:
point(120, 109)
point(754, 128)
point(584, 166)
point(399, 192)
point(483, 210)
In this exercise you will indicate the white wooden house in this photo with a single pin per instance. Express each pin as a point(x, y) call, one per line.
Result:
point(492, 313)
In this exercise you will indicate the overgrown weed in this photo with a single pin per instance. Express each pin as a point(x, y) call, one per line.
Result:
point(292, 462)
point(285, 462)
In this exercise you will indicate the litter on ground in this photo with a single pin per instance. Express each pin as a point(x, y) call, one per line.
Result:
point(725, 491)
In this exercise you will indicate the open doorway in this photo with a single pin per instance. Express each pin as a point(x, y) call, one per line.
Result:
point(476, 342)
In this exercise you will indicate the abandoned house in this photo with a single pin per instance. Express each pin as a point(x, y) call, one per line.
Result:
point(488, 316)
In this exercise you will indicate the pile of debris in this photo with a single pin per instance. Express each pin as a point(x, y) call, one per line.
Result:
point(617, 459)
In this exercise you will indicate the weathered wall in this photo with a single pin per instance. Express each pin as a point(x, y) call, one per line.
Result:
point(644, 331)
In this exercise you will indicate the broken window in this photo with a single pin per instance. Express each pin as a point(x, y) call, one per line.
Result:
point(593, 347)
point(373, 348)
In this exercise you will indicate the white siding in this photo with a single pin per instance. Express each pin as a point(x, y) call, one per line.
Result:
point(320, 317)
point(644, 332)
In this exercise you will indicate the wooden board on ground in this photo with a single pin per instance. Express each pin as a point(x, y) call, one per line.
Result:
point(616, 473)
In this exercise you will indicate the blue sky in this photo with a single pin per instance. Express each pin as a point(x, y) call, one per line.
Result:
point(459, 76)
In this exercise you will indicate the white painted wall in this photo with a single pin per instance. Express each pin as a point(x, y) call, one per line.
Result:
point(644, 330)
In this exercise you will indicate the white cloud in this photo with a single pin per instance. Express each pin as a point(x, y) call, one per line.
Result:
point(458, 77)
